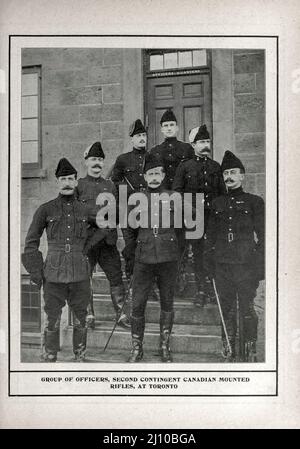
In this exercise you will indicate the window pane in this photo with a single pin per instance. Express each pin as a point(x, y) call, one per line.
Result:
point(29, 84)
point(199, 57)
point(170, 60)
point(29, 106)
point(185, 59)
point(156, 62)
point(30, 152)
point(30, 129)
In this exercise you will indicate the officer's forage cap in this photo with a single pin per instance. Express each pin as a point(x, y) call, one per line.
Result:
point(152, 161)
point(94, 150)
point(136, 127)
point(198, 133)
point(231, 161)
point(168, 116)
point(65, 168)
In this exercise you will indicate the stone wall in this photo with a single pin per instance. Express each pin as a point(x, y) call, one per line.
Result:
point(249, 116)
point(82, 102)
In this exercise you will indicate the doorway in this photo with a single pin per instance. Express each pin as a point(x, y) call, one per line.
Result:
point(186, 90)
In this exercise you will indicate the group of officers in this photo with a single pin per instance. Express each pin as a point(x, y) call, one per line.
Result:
point(230, 253)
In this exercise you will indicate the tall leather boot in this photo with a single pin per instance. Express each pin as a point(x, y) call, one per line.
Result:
point(118, 296)
point(137, 333)
point(250, 335)
point(51, 345)
point(79, 342)
point(166, 324)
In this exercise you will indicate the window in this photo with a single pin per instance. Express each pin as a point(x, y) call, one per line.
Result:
point(31, 121)
point(31, 306)
point(170, 59)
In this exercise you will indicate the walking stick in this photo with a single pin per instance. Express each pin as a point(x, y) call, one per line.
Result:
point(222, 318)
point(120, 313)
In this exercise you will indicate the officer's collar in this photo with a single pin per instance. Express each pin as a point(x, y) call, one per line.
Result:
point(235, 192)
point(93, 178)
point(171, 139)
point(139, 150)
point(200, 158)
point(156, 190)
point(67, 198)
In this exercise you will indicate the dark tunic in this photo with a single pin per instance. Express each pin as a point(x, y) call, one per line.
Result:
point(129, 170)
point(66, 221)
point(172, 152)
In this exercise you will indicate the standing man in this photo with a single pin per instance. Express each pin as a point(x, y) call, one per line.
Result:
point(200, 175)
point(171, 151)
point(129, 167)
point(102, 243)
point(129, 171)
point(66, 273)
point(155, 251)
point(234, 253)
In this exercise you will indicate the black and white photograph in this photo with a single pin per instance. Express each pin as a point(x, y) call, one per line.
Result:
point(98, 115)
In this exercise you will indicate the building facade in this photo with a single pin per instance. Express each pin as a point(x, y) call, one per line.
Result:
point(72, 97)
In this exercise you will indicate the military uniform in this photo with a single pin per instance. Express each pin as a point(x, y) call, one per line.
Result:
point(235, 257)
point(156, 253)
point(129, 170)
point(200, 175)
point(102, 242)
point(66, 271)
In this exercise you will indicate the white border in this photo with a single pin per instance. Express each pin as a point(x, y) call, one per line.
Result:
point(17, 43)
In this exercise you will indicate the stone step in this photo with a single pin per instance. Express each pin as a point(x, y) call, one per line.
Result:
point(101, 285)
point(94, 355)
point(185, 311)
point(185, 338)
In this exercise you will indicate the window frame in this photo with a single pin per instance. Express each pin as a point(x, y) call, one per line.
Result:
point(34, 169)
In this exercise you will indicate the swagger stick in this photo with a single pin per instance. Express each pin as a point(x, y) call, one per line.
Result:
point(242, 352)
point(120, 313)
point(222, 318)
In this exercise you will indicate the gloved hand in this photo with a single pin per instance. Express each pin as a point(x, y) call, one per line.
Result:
point(259, 265)
point(37, 278)
point(129, 266)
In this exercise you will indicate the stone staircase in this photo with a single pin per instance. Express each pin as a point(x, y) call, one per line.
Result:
point(195, 336)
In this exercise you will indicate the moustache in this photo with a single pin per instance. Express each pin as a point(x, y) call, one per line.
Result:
point(97, 166)
point(229, 180)
point(154, 183)
point(68, 188)
point(205, 149)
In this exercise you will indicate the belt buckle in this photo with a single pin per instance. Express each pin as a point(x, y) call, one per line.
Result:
point(67, 247)
point(155, 230)
point(230, 236)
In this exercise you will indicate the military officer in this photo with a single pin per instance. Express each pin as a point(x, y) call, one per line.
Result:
point(129, 167)
point(171, 151)
point(234, 253)
point(156, 252)
point(102, 243)
point(66, 273)
point(129, 171)
point(200, 174)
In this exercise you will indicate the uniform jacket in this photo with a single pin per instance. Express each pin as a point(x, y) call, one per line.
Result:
point(129, 170)
point(172, 152)
point(153, 244)
point(234, 221)
point(66, 221)
point(200, 175)
point(87, 191)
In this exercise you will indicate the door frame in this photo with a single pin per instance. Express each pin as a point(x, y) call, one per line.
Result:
point(201, 70)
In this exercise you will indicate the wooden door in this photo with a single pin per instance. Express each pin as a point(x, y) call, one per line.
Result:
point(189, 96)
